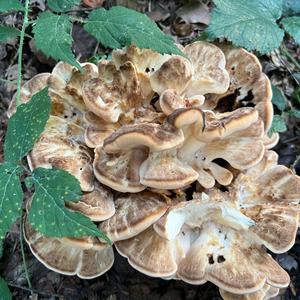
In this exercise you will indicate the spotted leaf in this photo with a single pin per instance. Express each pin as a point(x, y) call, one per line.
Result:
point(11, 196)
point(26, 126)
point(48, 213)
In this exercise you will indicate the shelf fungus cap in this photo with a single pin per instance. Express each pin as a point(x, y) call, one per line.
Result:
point(265, 293)
point(156, 137)
point(209, 75)
point(269, 194)
point(61, 145)
point(114, 92)
point(170, 100)
point(120, 171)
point(175, 73)
point(85, 257)
point(248, 86)
point(134, 214)
point(97, 205)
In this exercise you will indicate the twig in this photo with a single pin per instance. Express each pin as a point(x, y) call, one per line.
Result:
point(34, 290)
point(23, 253)
point(25, 22)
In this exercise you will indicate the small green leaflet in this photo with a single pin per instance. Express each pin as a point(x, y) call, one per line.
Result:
point(278, 98)
point(52, 36)
point(250, 24)
point(4, 290)
point(11, 196)
point(10, 5)
point(291, 7)
point(295, 113)
point(62, 5)
point(278, 125)
point(26, 126)
point(8, 32)
point(292, 26)
point(120, 26)
point(48, 213)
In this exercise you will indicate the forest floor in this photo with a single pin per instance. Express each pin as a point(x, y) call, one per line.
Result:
point(122, 282)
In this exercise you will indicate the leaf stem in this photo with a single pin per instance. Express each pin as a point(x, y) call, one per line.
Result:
point(23, 253)
point(286, 52)
point(20, 53)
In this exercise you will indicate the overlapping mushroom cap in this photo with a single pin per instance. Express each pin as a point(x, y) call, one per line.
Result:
point(222, 236)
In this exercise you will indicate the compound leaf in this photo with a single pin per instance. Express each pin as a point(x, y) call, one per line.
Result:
point(11, 196)
point(62, 5)
point(10, 5)
point(26, 125)
point(8, 32)
point(292, 26)
point(4, 290)
point(295, 113)
point(52, 36)
point(48, 213)
point(278, 125)
point(278, 98)
point(120, 26)
point(250, 24)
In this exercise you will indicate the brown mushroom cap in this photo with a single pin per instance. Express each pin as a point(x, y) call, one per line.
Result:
point(170, 100)
point(61, 146)
point(134, 214)
point(113, 92)
point(150, 254)
point(154, 136)
point(224, 257)
point(120, 171)
point(248, 86)
point(85, 257)
point(210, 75)
point(175, 73)
point(265, 293)
point(97, 205)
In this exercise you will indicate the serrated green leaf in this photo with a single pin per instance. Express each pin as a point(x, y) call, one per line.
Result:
point(4, 290)
point(48, 213)
point(295, 113)
point(120, 26)
point(8, 32)
point(62, 5)
point(52, 36)
point(11, 196)
point(10, 5)
point(250, 24)
point(291, 7)
point(26, 126)
point(292, 26)
point(278, 125)
point(278, 98)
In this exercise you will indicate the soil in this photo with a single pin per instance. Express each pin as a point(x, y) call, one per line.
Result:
point(122, 281)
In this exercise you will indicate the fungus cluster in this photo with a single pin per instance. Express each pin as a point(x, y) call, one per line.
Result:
point(172, 155)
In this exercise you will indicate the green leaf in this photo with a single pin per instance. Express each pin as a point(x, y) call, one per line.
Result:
point(120, 26)
point(1, 248)
point(48, 213)
point(10, 5)
point(292, 26)
point(295, 113)
point(278, 98)
point(296, 95)
point(11, 196)
point(52, 36)
point(62, 5)
point(250, 24)
point(8, 32)
point(26, 126)
point(291, 7)
point(278, 125)
point(4, 290)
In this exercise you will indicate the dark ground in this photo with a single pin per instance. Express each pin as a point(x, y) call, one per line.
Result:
point(122, 282)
